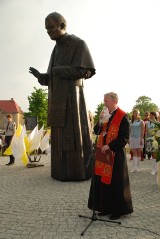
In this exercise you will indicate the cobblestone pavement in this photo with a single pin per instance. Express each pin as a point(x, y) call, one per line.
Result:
point(35, 206)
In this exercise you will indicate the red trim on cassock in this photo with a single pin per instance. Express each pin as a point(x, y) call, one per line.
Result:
point(104, 169)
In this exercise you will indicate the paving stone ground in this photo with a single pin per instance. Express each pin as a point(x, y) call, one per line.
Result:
point(35, 206)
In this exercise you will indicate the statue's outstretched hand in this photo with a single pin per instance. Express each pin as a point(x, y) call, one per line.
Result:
point(34, 72)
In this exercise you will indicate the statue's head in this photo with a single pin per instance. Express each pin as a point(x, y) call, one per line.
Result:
point(56, 25)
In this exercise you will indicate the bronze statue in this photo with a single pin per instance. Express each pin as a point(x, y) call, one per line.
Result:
point(69, 65)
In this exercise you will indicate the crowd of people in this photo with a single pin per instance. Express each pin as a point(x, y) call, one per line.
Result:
point(141, 142)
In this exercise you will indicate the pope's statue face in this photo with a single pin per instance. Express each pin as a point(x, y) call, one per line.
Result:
point(54, 28)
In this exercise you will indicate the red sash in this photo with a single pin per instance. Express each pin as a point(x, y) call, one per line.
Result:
point(104, 169)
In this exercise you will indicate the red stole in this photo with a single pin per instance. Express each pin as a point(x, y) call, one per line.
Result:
point(104, 169)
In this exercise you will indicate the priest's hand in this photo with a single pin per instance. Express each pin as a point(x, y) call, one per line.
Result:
point(105, 148)
point(34, 72)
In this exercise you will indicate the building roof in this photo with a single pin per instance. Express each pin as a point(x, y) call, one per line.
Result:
point(10, 106)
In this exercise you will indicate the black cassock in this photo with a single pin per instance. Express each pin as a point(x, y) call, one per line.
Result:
point(116, 197)
point(71, 143)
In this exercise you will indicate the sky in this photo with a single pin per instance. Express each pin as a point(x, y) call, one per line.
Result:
point(123, 37)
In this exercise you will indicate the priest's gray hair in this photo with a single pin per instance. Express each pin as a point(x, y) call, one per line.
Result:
point(112, 95)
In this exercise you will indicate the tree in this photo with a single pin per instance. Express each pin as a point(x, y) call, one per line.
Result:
point(38, 106)
point(97, 112)
point(143, 104)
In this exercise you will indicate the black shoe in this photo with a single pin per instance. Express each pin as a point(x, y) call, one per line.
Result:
point(114, 217)
point(8, 164)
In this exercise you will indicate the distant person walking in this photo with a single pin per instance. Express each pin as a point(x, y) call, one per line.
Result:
point(10, 129)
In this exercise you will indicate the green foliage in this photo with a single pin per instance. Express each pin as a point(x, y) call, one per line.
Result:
point(143, 104)
point(129, 115)
point(97, 112)
point(38, 106)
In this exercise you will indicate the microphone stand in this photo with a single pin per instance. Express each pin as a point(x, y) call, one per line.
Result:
point(94, 217)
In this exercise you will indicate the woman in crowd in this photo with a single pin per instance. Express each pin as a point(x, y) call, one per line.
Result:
point(136, 138)
point(149, 141)
point(146, 120)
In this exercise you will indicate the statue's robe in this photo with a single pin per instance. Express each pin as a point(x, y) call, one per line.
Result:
point(71, 143)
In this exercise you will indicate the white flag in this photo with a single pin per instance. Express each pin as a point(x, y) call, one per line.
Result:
point(34, 141)
point(44, 144)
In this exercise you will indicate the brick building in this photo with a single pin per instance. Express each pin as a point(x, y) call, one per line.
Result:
point(10, 107)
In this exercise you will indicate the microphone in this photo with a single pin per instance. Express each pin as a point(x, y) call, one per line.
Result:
point(104, 115)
